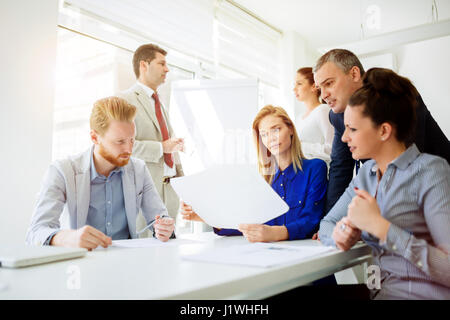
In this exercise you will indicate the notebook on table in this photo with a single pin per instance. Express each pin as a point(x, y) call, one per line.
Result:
point(17, 256)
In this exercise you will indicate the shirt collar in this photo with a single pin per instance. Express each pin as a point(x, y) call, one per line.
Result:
point(288, 172)
point(95, 174)
point(403, 160)
point(149, 91)
point(407, 157)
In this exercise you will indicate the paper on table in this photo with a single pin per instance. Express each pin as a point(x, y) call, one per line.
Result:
point(259, 254)
point(226, 196)
point(148, 242)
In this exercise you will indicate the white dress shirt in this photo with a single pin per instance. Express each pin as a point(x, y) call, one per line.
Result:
point(316, 133)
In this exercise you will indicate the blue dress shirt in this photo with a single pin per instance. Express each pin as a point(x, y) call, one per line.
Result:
point(106, 206)
point(304, 192)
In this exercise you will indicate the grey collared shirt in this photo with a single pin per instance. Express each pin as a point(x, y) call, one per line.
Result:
point(414, 196)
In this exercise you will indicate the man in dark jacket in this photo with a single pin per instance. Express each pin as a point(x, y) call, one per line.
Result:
point(338, 73)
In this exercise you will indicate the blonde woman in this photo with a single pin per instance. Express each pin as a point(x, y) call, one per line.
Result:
point(300, 182)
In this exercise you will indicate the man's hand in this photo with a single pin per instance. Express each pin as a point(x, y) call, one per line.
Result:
point(263, 232)
point(86, 237)
point(173, 145)
point(345, 234)
point(164, 228)
point(187, 213)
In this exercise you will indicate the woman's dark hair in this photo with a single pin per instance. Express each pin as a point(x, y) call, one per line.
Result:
point(307, 72)
point(387, 97)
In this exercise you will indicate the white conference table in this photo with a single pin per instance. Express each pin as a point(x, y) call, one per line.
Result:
point(162, 273)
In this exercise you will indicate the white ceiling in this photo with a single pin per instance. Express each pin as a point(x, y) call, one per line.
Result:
point(325, 23)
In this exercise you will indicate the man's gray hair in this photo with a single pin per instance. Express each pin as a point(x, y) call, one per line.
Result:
point(342, 58)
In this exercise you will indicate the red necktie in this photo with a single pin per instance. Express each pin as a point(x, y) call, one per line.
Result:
point(162, 125)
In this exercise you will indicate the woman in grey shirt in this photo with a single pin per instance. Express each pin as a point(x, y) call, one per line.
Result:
point(399, 203)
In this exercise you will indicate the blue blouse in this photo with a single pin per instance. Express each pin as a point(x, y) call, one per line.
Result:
point(304, 192)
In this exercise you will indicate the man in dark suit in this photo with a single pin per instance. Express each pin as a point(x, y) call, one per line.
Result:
point(338, 74)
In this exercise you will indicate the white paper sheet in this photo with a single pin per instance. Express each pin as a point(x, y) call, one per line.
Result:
point(262, 255)
point(226, 196)
point(148, 242)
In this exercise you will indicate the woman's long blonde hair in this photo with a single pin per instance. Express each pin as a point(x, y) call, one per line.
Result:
point(266, 161)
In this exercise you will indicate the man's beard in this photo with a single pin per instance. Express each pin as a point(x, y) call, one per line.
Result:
point(117, 161)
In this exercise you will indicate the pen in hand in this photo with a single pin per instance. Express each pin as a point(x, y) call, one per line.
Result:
point(150, 224)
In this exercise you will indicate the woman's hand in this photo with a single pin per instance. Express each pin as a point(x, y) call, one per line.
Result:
point(364, 213)
point(188, 214)
point(345, 234)
point(263, 232)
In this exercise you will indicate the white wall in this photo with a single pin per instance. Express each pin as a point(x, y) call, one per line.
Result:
point(28, 57)
point(427, 65)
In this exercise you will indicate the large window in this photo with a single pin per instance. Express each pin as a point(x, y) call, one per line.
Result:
point(96, 40)
point(87, 70)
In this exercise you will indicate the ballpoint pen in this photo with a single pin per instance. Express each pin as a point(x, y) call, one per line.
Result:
point(150, 224)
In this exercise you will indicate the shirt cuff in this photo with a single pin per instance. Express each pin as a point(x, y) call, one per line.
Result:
point(172, 236)
point(227, 232)
point(161, 150)
point(396, 240)
point(291, 229)
point(50, 237)
point(325, 233)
